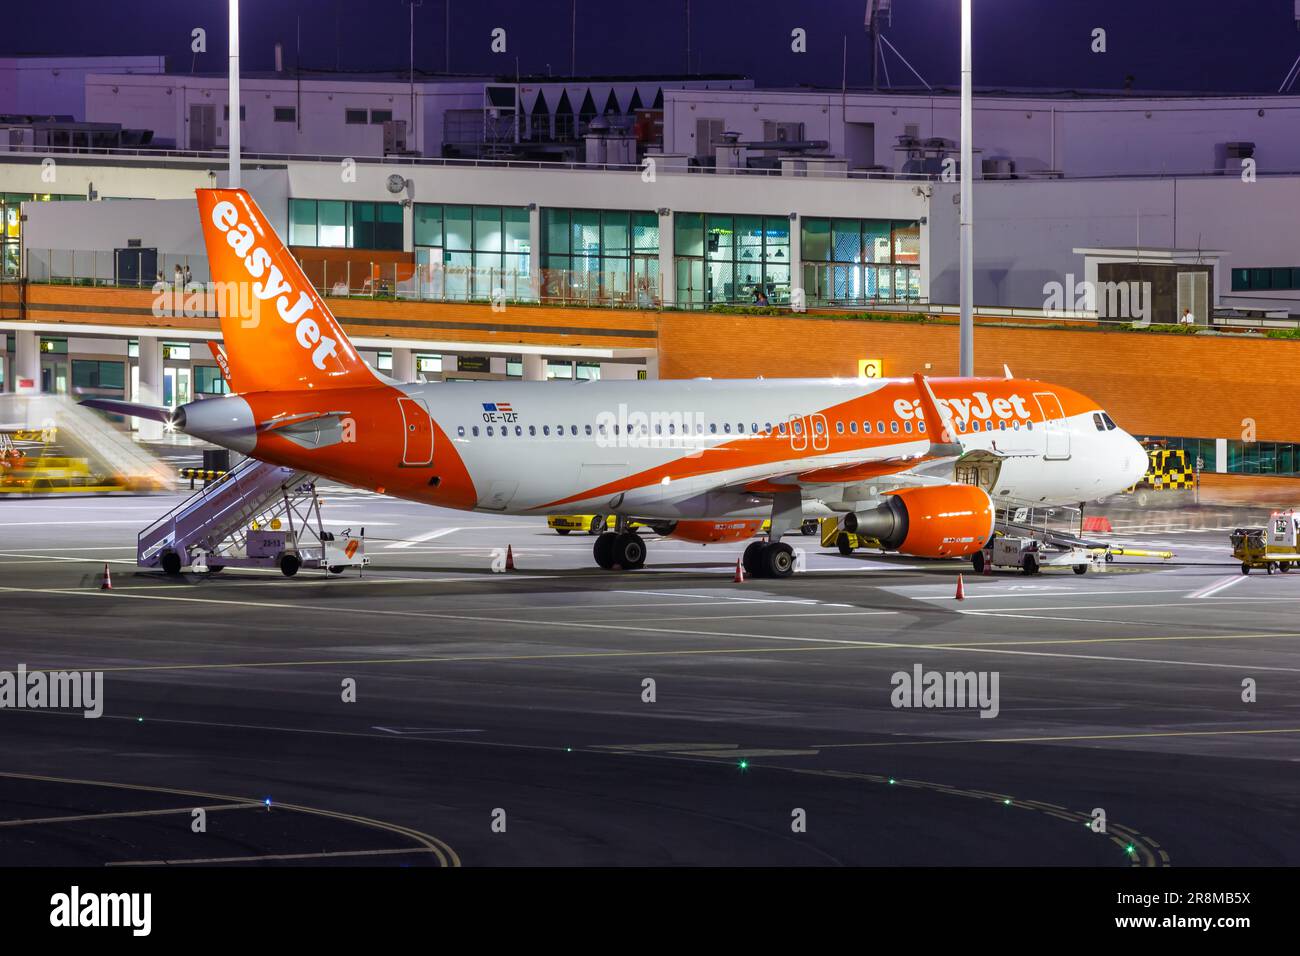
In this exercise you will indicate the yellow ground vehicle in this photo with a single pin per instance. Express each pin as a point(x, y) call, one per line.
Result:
point(591, 524)
point(1273, 548)
point(595, 524)
point(833, 536)
point(52, 473)
point(1167, 470)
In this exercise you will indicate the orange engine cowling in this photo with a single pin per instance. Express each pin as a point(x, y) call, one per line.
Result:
point(714, 532)
point(939, 521)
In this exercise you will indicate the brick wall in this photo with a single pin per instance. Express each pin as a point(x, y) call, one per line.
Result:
point(1198, 386)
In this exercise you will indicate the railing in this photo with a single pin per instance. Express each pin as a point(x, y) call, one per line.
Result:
point(126, 268)
point(439, 282)
point(672, 164)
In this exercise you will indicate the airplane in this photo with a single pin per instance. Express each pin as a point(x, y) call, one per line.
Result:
point(917, 464)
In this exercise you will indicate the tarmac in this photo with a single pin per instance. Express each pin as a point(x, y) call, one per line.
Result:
point(563, 715)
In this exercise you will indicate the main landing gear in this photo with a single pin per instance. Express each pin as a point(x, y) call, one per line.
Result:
point(765, 559)
point(620, 549)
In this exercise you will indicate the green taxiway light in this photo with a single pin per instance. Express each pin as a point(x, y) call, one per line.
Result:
point(1006, 803)
point(891, 781)
point(1130, 848)
point(744, 765)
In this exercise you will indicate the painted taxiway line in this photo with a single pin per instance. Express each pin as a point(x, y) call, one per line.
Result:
point(1214, 587)
point(419, 538)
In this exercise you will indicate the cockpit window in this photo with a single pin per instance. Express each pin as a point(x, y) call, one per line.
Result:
point(1097, 420)
point(1110, 425)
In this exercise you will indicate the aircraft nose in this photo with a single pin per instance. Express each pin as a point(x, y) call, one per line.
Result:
point(1133, 461)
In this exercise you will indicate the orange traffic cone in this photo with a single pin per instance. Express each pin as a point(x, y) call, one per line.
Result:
point(107, 583)
point(961, 589)
point(740, 573)
point(510, 558)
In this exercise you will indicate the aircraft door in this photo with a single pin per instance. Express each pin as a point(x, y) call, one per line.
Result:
point(417, 433)
point(1057, 430)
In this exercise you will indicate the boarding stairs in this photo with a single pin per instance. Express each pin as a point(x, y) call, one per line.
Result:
point(217, 519)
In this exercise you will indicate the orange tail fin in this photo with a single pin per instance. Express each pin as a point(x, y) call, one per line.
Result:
point(278, 332)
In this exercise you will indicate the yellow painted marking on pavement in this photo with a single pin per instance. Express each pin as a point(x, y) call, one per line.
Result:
point(126, 813)
point(275, 856)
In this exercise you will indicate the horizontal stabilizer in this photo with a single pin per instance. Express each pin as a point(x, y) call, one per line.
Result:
point(118, 407)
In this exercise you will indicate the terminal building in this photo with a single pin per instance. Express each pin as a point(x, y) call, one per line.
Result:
point(470, 227)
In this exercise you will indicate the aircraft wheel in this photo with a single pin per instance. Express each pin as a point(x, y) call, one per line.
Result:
point(1029, 565)
point(844, 544)
point(603, 550)
point(171, 563)
point(752, 561)
point(289, 565)
point(629, 551)
point(778, 560)
point(977, 562)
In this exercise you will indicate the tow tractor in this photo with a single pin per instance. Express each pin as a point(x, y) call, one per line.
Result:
point(1273, 548)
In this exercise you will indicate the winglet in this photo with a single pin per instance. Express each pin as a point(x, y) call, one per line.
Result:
point(1006, 370)
point(938, 421)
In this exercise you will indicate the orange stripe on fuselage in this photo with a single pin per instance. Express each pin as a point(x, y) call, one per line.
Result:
point(968, 399)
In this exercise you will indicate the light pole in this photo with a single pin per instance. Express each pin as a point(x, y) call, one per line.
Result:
point(967, 255)
point(232, 124)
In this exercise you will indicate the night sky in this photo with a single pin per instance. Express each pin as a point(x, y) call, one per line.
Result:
point(1192, 45)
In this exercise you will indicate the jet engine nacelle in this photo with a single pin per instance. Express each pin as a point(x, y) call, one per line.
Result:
point(940, 521)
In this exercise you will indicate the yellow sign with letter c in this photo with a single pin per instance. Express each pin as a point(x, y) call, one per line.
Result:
point(871, 368)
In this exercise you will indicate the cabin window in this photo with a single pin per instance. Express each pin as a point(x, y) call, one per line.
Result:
point(460, 431)
point(893, 426)
point(474, 431)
